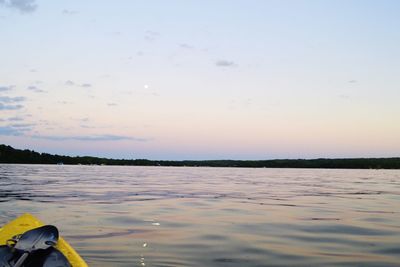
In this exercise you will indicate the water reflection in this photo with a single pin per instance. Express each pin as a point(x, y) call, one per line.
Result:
point(155, 216)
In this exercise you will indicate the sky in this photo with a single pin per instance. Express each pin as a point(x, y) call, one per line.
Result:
point(201, 79)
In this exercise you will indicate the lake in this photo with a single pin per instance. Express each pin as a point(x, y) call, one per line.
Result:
point(166, 216)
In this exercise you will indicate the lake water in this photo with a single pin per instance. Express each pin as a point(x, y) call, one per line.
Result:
point(160, 216)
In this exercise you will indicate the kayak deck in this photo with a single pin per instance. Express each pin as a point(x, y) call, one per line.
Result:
point(27, 222)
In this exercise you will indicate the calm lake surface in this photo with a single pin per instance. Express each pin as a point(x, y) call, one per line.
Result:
point(159, 216)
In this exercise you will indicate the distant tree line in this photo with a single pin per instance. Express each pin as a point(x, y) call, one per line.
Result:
point(10, 155)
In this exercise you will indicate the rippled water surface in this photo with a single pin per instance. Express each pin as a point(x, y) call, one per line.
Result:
point(158, 216)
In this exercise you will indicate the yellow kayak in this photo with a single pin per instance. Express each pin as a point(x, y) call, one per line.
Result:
point(27, 222)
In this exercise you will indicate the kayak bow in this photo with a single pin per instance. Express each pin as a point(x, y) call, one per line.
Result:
point(27, 222)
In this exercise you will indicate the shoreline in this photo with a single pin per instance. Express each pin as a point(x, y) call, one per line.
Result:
point(10, 155)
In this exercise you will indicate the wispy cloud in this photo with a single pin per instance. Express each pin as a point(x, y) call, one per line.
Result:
point(106, 137)
point(151, 35)
point(5, 88)
point(10, 107)
point(186, 46)
point(225, 63)
point(35, 89)
point(6, 99)
point(15, 129)
point(343, 96)
point(69, 12)
point(15, 119)
point(24, 6)
point(9, 103)
point(7, 130)
point(69, 83)
point(22, 126)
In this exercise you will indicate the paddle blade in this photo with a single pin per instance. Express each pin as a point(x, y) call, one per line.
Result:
point(37, 239)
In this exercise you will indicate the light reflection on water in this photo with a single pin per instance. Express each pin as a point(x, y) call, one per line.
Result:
point(158, 216)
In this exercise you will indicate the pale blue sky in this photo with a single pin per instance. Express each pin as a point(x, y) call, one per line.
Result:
point(201, 79)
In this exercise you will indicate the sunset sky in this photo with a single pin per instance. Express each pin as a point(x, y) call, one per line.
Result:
point(201, 79)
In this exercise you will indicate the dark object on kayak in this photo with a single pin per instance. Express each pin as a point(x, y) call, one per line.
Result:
point(6, 256)
point(56, 259)
point(48, 258)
